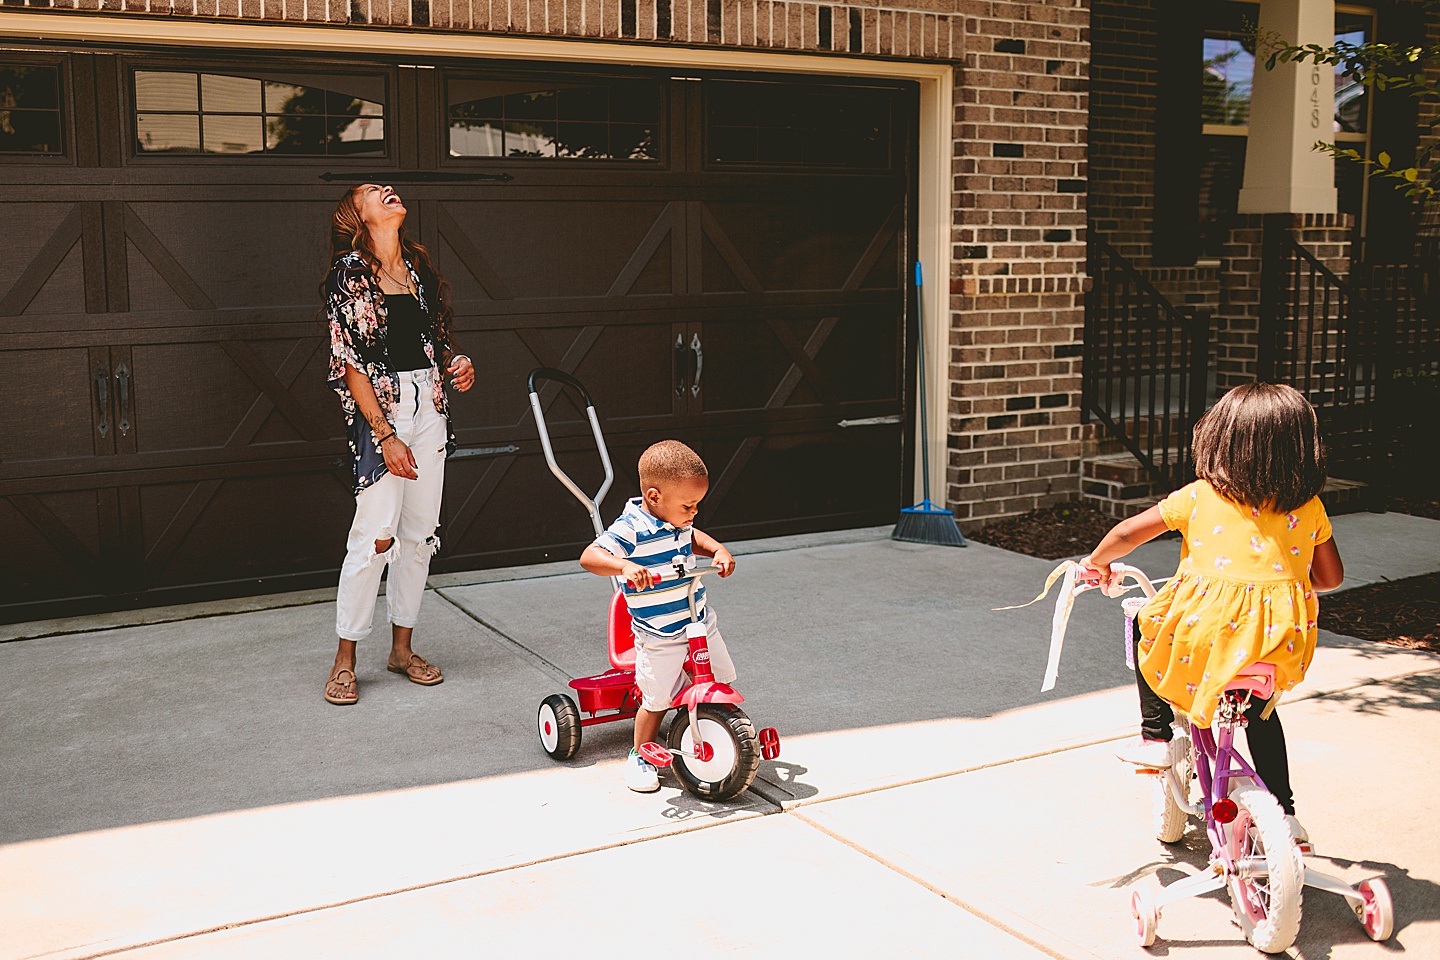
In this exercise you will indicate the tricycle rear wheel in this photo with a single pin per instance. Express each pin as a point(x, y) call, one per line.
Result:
point(558, 724)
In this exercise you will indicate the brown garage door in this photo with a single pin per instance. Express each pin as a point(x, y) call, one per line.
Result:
point(720, 259)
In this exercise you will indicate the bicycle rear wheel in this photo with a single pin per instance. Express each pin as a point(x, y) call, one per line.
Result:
point(1265, 888)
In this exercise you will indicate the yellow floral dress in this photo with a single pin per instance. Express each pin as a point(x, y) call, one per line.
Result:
point(1241, 595)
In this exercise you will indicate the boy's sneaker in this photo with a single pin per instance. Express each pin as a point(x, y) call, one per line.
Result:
point(640, 775)
point(1146, 753)
point(1298, 834)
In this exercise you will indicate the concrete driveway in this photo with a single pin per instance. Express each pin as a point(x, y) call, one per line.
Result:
point(176, 787)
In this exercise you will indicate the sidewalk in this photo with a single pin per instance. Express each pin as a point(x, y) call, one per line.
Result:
point(180, 789)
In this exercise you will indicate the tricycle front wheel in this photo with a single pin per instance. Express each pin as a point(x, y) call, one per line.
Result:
point(736, 751)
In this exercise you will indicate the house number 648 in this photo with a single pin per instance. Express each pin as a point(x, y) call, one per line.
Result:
point(1315, 97)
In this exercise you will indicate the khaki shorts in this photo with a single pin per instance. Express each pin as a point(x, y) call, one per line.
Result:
point(659, 664)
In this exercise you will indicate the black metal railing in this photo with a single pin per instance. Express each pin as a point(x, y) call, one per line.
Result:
point(1365, 350)
point(1145, 365)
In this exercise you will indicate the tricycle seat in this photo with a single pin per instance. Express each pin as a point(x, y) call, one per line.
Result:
point(621, 634)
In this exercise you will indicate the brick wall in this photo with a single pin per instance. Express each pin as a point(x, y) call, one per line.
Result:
point(1122, 124)
point(900, 28)
point(1018, 299)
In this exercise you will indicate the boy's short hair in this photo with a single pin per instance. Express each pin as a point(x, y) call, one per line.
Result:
point(668, 461)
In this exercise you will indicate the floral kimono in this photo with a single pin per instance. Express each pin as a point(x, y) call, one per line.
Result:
point(355, 307)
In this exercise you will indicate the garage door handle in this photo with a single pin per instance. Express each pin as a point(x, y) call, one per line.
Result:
point(122, 377)
point(682, 361)
point(699, 352)
point(102, 399)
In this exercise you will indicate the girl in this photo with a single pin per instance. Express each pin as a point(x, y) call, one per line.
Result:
point(390, 337)
point(1256, 546)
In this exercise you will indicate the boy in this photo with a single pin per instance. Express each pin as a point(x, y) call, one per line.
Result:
point(652, 531)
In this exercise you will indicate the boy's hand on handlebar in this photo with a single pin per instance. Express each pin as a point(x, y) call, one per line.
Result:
point(637, 576)
point(724, 561)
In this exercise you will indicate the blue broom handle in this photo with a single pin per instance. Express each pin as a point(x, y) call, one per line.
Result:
point(920, 362)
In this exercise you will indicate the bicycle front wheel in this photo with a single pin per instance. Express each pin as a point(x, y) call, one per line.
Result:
point(1169, 818)
point(1265, 887)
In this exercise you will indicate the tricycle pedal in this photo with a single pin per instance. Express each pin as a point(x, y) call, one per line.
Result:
point(769, 743)
point(656, 754)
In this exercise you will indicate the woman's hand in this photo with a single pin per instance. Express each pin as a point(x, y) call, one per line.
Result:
point(462, 373)
point(398, 458)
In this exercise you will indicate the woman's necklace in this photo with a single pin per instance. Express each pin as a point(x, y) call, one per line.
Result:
point(397, 283)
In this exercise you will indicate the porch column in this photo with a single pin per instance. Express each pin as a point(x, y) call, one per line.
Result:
point(1291, 107)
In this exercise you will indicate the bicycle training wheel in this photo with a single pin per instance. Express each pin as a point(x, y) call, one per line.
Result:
point(1170, 818)
point(729, 732)
point(1266, 886)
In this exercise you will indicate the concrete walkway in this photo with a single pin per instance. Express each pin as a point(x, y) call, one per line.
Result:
point(174, 785)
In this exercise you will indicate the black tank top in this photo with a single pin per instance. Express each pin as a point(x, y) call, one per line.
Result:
point(404, 323)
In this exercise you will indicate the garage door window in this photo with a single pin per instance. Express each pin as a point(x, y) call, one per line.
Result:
point(776, 124)
point(30, 109)
point(217, 114)
point(611, 120)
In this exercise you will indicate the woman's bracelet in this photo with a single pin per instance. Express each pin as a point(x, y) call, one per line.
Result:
point(381, 442)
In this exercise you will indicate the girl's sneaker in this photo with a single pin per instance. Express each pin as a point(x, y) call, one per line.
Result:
point(1298, 834)
point(1146, 753)
point(640, 775)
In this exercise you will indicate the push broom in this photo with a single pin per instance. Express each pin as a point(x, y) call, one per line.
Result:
point(925, 522)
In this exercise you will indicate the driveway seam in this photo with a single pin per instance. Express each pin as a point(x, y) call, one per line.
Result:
point(536, 658)
point(427, 885)
point(1037, 940)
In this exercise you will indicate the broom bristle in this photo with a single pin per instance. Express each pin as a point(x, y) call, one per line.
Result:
point(927, 523)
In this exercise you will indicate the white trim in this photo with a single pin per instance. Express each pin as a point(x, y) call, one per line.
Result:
point(934, 200)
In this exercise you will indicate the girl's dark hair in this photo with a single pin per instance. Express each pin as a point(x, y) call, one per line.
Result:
point(348, 232)
point(1260, 447)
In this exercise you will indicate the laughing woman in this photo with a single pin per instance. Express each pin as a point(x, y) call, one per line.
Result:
point(389, 314)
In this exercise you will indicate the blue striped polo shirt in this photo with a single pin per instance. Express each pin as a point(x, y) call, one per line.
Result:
point(638, 536)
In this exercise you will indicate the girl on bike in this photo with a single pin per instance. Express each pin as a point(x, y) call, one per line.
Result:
point(1256, 546)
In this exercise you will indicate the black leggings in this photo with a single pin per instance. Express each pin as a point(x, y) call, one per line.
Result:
point(1266, 738)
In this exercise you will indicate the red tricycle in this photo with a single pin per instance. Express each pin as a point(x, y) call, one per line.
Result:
point(711, 743)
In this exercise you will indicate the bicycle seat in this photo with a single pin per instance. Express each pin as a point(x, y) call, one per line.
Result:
point(1258, 678)
point(621, 634)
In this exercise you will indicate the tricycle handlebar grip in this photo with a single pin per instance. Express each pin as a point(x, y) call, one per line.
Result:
point(550, 373)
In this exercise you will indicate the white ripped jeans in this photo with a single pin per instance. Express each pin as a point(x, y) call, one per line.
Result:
point(392, 508)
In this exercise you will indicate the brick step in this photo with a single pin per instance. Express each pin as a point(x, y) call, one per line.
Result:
point(1345, 496)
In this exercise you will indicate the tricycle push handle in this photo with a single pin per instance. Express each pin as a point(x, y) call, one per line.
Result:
point(560, 376)
point(591, 504)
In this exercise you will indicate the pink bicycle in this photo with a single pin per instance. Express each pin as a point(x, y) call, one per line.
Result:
point(1252, 856)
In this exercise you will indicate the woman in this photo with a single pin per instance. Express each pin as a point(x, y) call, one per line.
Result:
point(390, 336)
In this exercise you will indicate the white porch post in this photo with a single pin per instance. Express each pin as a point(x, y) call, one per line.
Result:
point(1291, 107)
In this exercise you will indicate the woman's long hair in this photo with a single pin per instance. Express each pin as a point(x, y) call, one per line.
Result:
point(1259, 446)
point(349, 233)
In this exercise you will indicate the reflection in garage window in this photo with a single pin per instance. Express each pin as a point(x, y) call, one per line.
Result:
point(30, 109)
point(182, 112)
point(787, 123)
point(616, 120)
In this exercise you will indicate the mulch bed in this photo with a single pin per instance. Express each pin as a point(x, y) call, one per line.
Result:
point(1403, 613)
point(1053, 533)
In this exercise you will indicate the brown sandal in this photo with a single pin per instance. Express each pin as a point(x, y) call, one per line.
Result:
point(353, 683)
point(415, 670)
